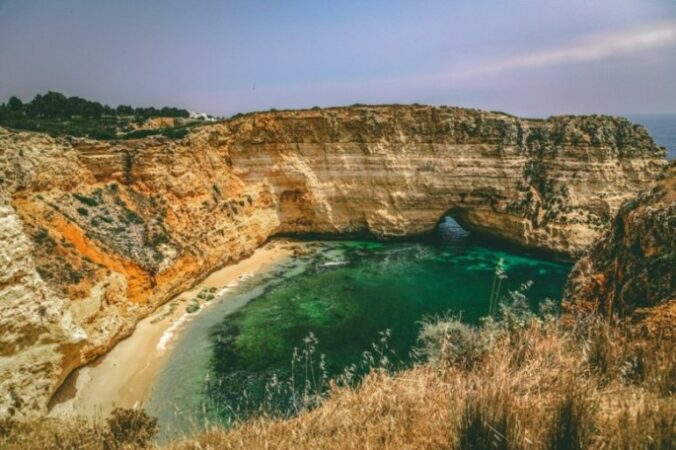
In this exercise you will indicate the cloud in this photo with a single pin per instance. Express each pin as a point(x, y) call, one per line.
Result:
point(456, 82)
point(584, 49)
point(587, 49)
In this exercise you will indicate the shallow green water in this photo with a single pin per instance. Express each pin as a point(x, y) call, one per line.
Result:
point(345, 294)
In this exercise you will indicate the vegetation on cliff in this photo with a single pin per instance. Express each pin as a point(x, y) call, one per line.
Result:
point(55, 114)
point(214, 185)
point(529, 383)
point(184, 208)
point(518, 381)
point(631, 267)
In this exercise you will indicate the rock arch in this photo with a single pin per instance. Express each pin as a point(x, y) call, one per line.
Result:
point(110, 240)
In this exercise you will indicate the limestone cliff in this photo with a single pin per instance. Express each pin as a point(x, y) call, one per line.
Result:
point(95, 235)
point(632, 267)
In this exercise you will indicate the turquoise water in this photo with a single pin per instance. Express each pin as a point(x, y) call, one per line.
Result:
point(345, 293)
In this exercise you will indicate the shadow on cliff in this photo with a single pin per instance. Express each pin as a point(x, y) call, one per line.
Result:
point(450, 230)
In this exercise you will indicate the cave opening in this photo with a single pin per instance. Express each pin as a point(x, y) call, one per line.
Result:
point(449, 232)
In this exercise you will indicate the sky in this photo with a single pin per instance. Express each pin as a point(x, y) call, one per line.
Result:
point(526, 57)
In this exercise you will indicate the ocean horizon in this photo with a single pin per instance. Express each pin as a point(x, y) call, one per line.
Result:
point(662, 128)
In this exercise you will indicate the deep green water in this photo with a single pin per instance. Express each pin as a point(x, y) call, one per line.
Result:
point(345, 293)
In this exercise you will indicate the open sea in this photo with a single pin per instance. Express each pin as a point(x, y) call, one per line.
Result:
point(662, 128)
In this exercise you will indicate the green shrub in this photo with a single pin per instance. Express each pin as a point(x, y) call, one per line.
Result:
point(82, 211)
point(58, 115)
point(89, 201)
point(130, 427)
point(171, 133)
point(41, 236)
point(451, 342)
point(133, 217)
point(75, 276)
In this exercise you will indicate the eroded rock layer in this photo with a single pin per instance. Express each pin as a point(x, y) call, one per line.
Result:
point(633, 266)
point(95, 235)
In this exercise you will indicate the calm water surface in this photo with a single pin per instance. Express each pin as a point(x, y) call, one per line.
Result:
point(662, 128)
point(345, 293)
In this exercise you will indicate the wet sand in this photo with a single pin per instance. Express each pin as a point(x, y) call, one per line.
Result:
point(124, 376)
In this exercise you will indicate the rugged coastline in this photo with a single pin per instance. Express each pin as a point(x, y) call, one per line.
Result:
point(124, 376)
point(630, 270)
point(104, 232)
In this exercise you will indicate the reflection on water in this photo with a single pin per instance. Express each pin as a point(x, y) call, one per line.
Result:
point(344, 293)
point(451, 233)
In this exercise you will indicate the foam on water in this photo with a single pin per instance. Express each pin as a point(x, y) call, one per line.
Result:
point(170, 332)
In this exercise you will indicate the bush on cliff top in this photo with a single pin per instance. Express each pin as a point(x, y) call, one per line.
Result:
point(55, 114)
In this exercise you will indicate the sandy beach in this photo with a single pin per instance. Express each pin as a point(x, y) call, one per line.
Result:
point(123, 377)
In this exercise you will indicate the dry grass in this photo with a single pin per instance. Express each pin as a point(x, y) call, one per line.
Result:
point(124, 429)
point(541, 386)
point(538, 385)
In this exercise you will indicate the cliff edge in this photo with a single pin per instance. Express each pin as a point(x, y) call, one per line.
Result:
point(97, 234)
point(633, 266)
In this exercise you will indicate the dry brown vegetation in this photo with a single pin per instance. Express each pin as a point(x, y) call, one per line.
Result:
point(522, 382)
point(540, 385)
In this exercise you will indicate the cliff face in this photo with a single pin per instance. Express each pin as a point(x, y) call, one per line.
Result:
point(632, 266)
point(97, 234)
point(552, 185)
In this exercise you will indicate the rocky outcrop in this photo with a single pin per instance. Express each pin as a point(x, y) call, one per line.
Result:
point(98, 234)
point(632, 267)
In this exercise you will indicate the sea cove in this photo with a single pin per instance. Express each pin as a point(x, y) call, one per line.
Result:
point(347, 295)
point(337, 225)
